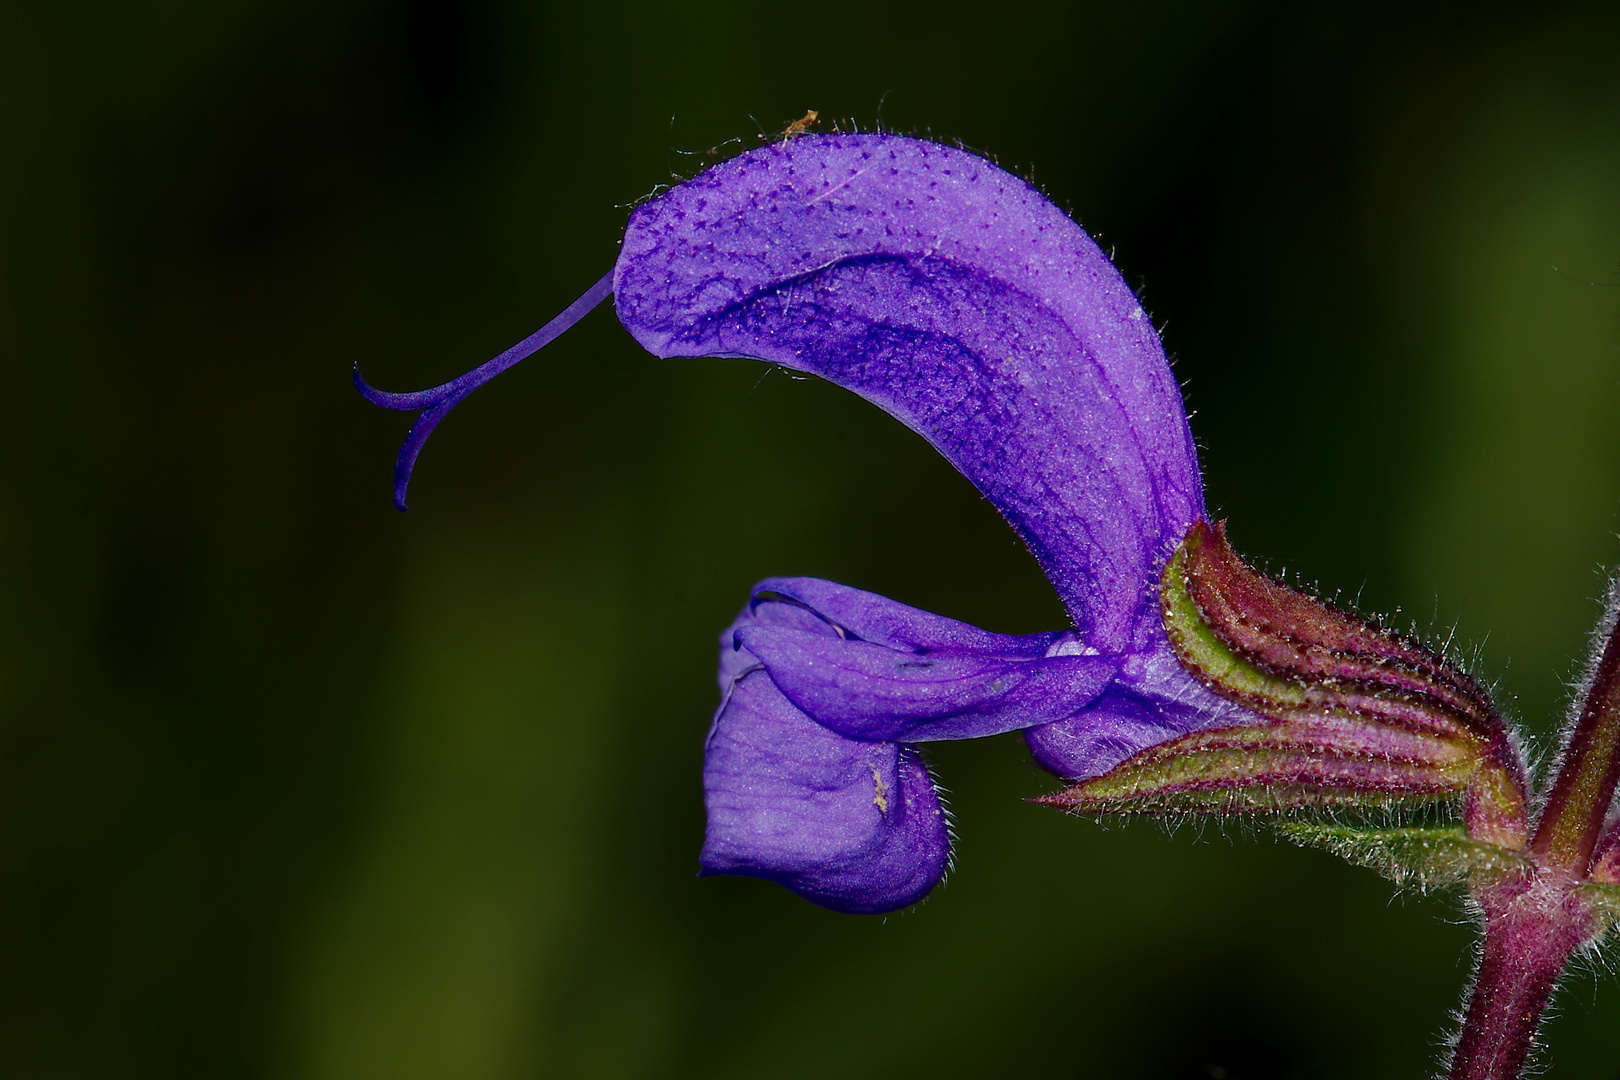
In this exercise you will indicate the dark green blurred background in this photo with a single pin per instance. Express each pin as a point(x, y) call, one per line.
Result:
point(294, 786)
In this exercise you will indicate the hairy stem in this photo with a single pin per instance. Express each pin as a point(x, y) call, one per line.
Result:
point(1532, 926)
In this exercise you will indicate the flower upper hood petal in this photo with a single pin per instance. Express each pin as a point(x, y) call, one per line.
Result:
point(957, 298)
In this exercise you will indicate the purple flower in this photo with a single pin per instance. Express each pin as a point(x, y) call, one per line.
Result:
point(958, 299)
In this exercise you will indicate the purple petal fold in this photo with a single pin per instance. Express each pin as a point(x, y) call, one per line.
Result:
point(854, 826)
point(869, 616)
point(1154, 699)
point(869, 691)
point(953, 295)
point(870, 668)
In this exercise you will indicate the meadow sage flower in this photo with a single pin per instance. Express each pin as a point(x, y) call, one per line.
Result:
point(956, 298)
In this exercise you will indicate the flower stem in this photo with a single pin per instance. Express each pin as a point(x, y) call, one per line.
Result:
point(1535, 922)
point(1531, 928)
point(1579, 799)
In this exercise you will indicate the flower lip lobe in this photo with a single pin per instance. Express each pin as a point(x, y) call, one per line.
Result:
point(957, 298)
point(869, 691)
point(854, 826)
point(810, 776)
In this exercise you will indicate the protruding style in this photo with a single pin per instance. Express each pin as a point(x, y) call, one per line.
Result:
point(435, 404)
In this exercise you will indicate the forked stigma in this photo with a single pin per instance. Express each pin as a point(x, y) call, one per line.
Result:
point(434, 404)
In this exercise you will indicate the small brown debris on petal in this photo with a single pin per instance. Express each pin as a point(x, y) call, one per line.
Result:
point(800, 126)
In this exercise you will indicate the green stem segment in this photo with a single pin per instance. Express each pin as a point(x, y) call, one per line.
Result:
point(1580, 797)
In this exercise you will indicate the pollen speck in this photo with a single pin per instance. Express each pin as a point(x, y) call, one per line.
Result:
point(881, 798)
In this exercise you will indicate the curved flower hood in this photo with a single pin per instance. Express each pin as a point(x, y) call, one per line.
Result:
point(955, 297)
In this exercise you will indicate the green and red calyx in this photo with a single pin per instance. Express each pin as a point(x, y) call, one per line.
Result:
point(1346, 714)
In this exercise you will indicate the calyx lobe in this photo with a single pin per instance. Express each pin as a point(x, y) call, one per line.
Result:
point(1347, 714)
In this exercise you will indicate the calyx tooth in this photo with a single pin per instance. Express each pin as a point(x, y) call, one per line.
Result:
point(1348, 714)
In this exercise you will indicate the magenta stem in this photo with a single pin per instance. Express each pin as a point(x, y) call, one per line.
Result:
point(1531, 929)
point(1534, 923)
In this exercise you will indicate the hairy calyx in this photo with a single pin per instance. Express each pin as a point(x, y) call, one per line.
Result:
point(1345, 713)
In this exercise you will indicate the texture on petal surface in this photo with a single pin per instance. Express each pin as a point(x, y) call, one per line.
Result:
point(1153, 699)
point(871, 668)
point(956, 297)
point(853, 825)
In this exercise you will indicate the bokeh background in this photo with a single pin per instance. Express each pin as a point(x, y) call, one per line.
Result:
point(294, 786)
